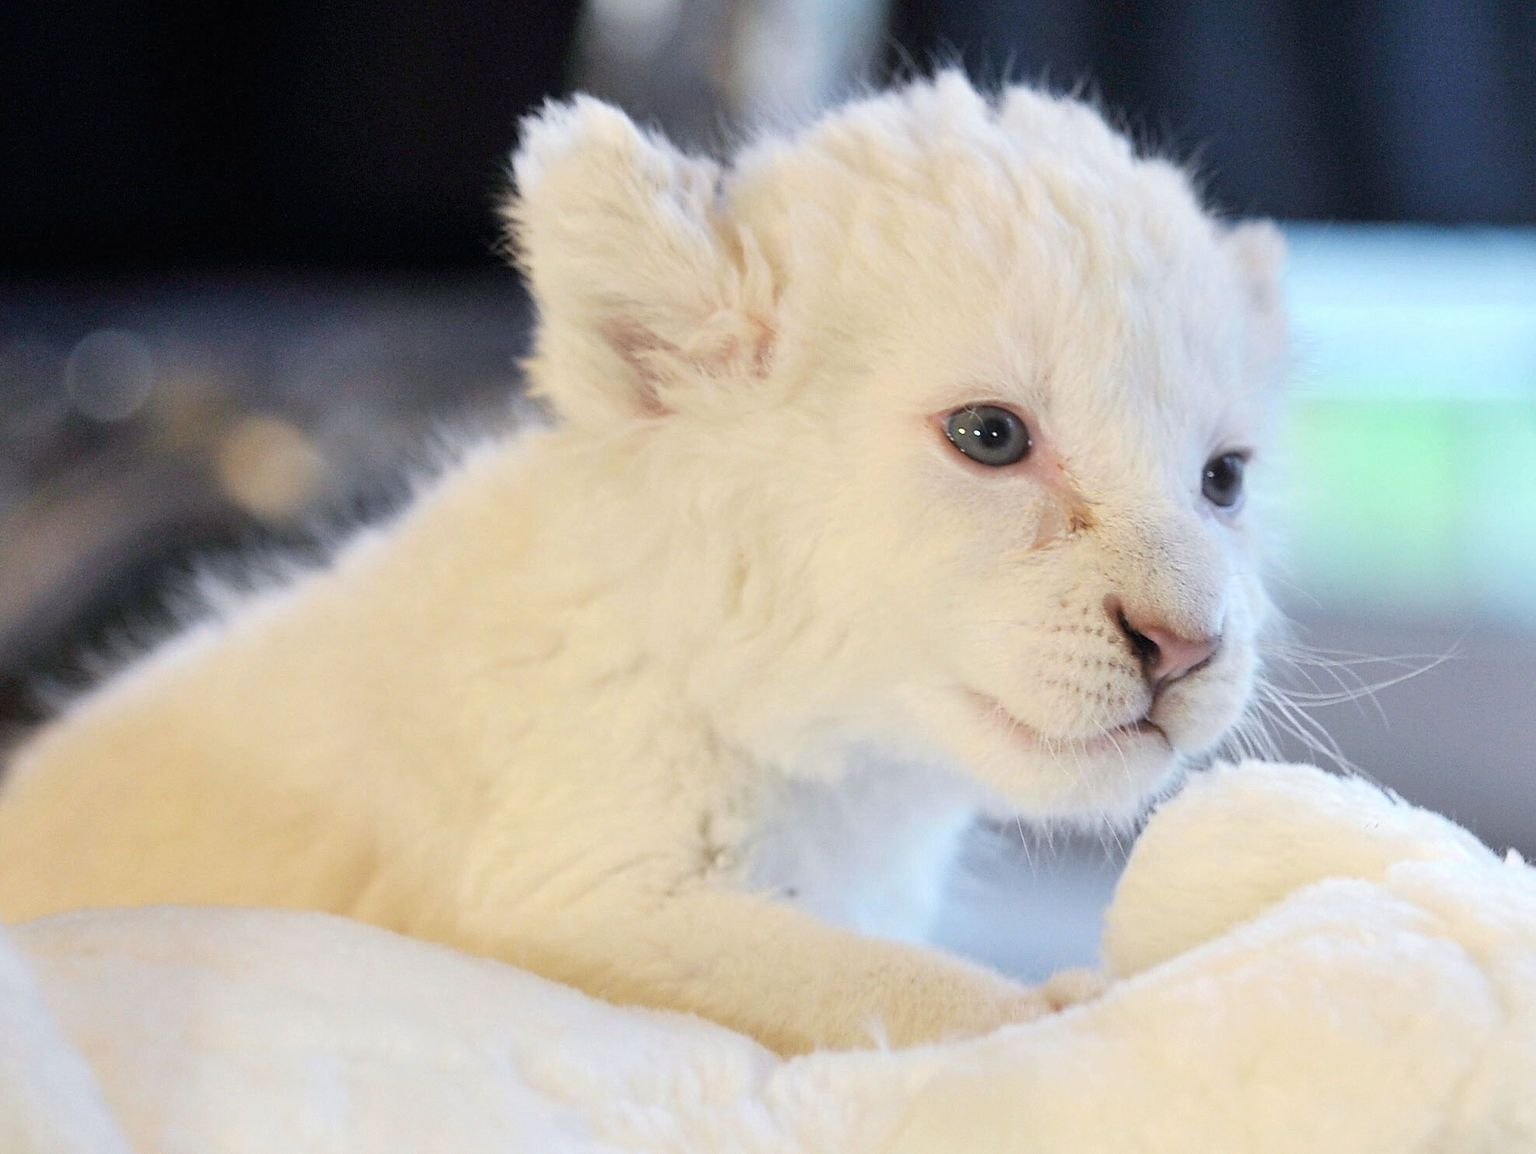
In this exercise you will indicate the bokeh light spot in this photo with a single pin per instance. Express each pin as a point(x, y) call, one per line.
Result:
point(109, 375)
point(270, 467)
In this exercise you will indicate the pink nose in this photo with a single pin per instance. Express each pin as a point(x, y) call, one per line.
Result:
point(1165, 655)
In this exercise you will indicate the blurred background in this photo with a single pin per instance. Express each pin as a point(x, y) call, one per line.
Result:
point(247, 269)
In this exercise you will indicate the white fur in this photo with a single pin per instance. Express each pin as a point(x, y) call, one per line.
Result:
point(570, 709)
point(1369, 987)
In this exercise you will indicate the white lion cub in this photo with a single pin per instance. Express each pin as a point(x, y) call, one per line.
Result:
point(896, 475)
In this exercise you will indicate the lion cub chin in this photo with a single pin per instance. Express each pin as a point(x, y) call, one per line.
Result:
point(897, 471)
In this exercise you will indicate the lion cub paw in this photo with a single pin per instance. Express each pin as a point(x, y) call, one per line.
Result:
point(1061, 991)
point(1068, 988)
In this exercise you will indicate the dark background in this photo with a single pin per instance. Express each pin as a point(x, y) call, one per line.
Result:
point(347, 135)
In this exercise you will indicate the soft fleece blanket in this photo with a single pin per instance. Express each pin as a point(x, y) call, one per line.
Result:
point(1301, 963)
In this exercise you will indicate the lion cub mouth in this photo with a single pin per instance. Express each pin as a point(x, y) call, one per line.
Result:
point(1111, 740)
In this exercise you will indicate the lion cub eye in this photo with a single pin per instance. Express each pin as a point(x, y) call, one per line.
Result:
point(1222, 482)
point(988, 434)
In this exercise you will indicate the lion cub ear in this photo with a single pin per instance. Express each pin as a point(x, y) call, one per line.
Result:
point(648, 294)
point(1257, 249)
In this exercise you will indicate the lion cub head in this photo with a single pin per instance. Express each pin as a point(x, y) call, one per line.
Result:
point(941, 423)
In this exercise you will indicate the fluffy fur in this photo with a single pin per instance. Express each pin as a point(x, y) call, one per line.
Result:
point(1302, 964)
point(646, 700)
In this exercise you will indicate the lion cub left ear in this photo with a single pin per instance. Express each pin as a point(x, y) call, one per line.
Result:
point(1257, 249)
point(647, 292)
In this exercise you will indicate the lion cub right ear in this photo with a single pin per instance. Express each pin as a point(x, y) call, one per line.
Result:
point(648, 294)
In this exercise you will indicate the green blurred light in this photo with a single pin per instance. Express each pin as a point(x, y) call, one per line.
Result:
point(1413, 430)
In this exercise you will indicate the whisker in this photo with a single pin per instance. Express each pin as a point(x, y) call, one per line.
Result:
point(1306, 729)
point(1353, 688)
point(1029, 857)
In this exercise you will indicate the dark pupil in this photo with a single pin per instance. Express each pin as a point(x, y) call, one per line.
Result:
point(1224, 480)
point(993, 433)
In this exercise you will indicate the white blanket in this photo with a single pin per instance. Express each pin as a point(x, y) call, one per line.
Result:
point(1301, 964)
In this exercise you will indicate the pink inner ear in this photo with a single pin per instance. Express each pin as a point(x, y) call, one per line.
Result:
point(728, 343)
point(638, 346)
point(650, 404)
point(762, 346)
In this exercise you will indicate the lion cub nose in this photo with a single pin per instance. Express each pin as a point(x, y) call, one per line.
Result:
point(1165, 655)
